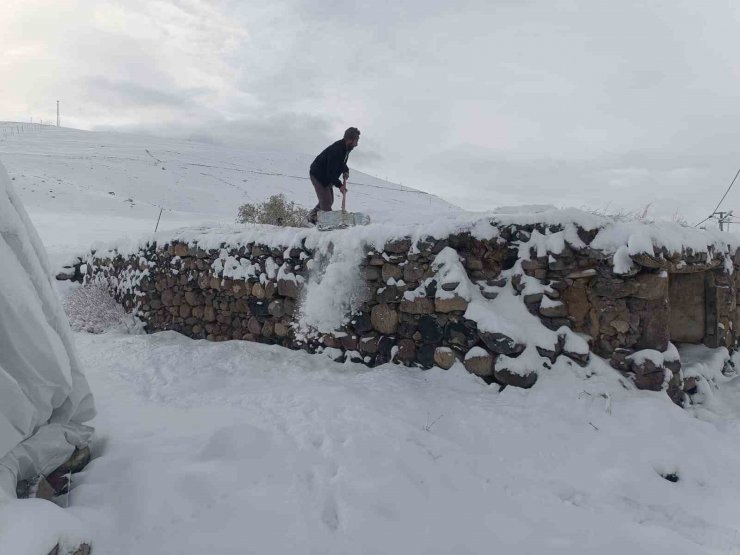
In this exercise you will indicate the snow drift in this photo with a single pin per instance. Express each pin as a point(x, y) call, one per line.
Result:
point(45, 399)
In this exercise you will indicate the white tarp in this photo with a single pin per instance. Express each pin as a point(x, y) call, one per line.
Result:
point(44, 396)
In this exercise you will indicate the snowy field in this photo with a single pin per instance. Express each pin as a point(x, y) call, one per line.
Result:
point(80, 187)
point(230, 448)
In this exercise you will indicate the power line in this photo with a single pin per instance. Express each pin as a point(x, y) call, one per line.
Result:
point(720, 200)
point(304, 178)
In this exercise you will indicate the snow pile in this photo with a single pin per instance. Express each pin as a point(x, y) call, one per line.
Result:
point(92, 309)
point(44, 396)
point(333, 290)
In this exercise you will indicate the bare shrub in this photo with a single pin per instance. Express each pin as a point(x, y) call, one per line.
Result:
point(635, 215)
point(276, 210)
point(91, 308)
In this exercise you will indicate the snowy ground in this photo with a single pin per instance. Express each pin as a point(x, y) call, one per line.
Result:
point(227, 448)
point(243, 448)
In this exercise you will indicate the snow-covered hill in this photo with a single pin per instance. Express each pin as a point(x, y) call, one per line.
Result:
point(81, 186)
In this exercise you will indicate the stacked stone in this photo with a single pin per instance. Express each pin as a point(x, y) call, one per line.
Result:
point(624, 314)
point(423, 329)
point(181, 291)
point(409, 315)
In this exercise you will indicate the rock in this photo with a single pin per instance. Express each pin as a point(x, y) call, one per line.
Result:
point(349, 342)
point(167, 297)
point(215, 283)
point(463, 334)
point(258, 291)
point(192, 298)
point(430, 329)
point(444, 357)
point(288, 288)
point(384, 319)
point(406, 350)
point(391, 271)
point(533, 298)
point(480, 365)
point(401, 246)
point(83, 549)
point(254, 326)
point(549, 353)
point(259, 308)
point(281, 330)
point(651, 287)
point(371, 273)
point(534, 264)
point(576, 299)
point(611, 287)
point(239, 288)
point(209, 314)
point(473, 264)
point(268, 328)
point(425, 355)
point(654, 324)
point(369, 345)
point(413, 272)
point(385, 348)
point(501, 344)
point(407, 329)
point(453, 304)
point(582, 274)
point(270, 289)
point(389, 294)
point(276, 308)
point(419, 305)
point(620, 325)
point(554, 309)
point(185, 311)
point(690, 385)
point(581, 359)
point(505, 376)
point(647, 375)
point(180, 249)
point(361, 323)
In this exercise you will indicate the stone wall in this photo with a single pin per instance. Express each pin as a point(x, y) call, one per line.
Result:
point(427, 302)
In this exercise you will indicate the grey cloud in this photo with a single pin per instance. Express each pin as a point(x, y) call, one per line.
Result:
point(132, 94)
point(578, 102)
point(671, 185)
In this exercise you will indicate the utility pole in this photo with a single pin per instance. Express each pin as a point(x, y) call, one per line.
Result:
point(724, 218)
point(57, 113)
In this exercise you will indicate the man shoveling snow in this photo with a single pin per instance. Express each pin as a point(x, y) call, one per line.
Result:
point(325, 171)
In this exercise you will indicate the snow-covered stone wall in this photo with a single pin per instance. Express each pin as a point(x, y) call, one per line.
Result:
point(507, 295)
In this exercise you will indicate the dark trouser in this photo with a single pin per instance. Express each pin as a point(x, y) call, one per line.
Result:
point(325, 194)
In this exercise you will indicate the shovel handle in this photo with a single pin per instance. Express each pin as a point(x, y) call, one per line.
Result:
point(344, 196)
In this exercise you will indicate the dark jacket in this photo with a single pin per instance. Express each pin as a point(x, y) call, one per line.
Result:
point(330, 164)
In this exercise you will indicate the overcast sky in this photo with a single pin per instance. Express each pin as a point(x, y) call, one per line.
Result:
point(595, 103)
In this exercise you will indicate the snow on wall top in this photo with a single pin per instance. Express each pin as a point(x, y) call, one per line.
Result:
point(611, 236)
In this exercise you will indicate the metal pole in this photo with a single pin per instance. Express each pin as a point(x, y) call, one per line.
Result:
point(160, 215)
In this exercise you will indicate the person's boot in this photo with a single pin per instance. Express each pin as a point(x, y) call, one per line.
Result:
point(312, 217)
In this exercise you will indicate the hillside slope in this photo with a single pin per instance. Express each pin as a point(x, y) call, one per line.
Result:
point(81, 186)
